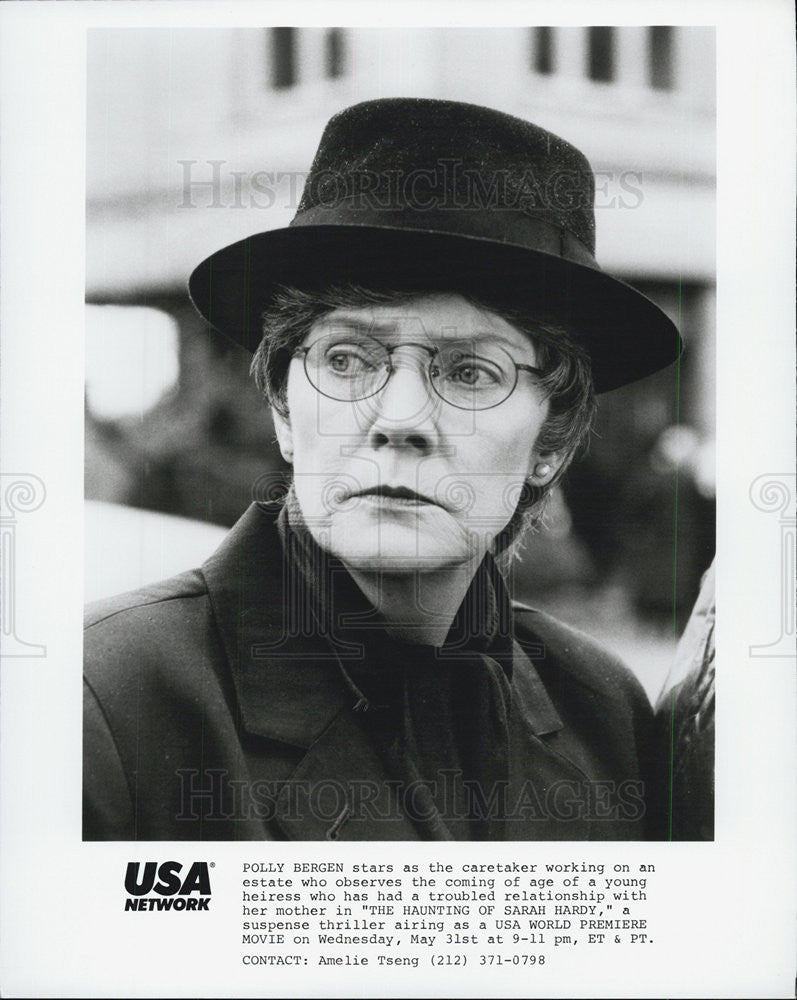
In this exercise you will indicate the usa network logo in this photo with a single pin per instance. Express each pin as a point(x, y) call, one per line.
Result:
point(172, 889)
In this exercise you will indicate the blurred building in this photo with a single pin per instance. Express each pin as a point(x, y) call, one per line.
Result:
point(199, 137)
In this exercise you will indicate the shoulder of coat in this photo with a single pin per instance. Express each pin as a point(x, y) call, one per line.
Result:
point(556, 647)
point(185, 585)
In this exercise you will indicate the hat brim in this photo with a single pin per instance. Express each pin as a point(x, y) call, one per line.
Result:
point(627, 336)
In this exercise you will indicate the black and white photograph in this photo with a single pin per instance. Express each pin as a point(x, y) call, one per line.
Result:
point(463, 494)
point(397, 449)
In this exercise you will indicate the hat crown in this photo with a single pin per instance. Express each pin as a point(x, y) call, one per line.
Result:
point(424, 156)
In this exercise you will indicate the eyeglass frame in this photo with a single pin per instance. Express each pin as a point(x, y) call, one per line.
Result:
point(304, 350)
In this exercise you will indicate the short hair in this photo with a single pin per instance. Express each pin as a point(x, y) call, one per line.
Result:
point(567, 377)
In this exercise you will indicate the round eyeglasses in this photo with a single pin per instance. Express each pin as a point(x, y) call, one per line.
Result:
point(471, 375)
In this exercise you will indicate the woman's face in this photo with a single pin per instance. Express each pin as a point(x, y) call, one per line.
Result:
point(402, 480)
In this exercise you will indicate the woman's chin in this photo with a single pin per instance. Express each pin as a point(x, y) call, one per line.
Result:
point(395, 563)
point(401, 546)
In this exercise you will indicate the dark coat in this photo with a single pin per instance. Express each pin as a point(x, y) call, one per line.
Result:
point(203, 720)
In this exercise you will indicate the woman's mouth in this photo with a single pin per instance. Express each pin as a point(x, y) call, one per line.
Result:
point(400, 496)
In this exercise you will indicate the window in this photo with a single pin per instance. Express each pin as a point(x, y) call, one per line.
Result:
point(283, 57)
point(542, 50)
point(600, 53)
point(660, 57)
point(334, 53)
point(132, 359)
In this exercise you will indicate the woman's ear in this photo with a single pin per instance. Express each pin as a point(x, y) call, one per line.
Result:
point(282, 427)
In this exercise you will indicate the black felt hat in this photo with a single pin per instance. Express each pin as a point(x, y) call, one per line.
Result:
point(440, 195)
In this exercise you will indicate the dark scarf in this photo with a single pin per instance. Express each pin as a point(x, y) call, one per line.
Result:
point(437, 715)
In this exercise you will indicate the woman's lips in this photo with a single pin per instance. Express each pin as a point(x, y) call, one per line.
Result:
point(400, 496)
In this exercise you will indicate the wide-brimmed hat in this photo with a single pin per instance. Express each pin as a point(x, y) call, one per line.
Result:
point(439, 195)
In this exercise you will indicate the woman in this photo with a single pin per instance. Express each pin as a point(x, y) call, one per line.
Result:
point(429, 333)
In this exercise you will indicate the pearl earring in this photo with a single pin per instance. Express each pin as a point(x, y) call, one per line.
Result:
point(542, 469)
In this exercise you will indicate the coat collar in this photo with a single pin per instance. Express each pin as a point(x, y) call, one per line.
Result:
point(287, 678)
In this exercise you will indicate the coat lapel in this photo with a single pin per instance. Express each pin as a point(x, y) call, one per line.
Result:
point(286, 682)
point(531, 699)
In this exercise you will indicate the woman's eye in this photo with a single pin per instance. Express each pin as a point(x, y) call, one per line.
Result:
point(339, 362)
point(467, 374)
point(347, 359)
point(471, 375)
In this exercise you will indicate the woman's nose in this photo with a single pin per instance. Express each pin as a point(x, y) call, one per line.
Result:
point(404, 412)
